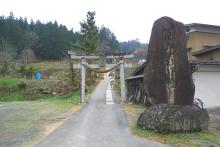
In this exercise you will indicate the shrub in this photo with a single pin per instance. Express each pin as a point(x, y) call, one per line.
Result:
point(30, 72)
point(22, 70)
point(26, 72)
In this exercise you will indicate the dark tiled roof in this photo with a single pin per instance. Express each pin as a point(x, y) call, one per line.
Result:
point(139, 68)
point(212, 62)
point(205, 28)
point(135, 77)
point(197, 62)
point(206, 50)
point(202, 25)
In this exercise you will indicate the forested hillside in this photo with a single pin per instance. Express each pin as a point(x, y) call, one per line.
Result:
point(52, 40)
point(131, 45)
point(47, 40)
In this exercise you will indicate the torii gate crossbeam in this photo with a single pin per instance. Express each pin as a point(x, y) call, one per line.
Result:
point(83, 70)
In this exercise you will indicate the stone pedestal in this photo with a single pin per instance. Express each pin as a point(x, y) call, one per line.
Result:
point(165, 118)
point(168, 82)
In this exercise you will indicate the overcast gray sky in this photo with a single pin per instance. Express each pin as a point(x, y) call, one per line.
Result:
point(128, 19)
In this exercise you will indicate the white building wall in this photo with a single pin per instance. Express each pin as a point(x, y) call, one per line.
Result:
point(207, 83)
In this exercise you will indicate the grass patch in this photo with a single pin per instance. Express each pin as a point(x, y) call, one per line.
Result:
point(11, 89)
point(8, 82)
point(11, 96)
point(195, 139)
point(68, 99)
point(49, 64)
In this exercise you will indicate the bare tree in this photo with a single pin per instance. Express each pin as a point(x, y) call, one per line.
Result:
point(5, 57)
point(28, 56)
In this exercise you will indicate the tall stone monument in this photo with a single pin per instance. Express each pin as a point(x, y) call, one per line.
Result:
point(168, 82)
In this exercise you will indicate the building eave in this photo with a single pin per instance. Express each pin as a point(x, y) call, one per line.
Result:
point(203, 25)
point(198, 62)
point(139, 68)
point(205, 28)
point(204, 51)
point(135, 77)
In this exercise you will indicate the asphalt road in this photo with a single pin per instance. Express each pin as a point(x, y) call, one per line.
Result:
point(97, 125)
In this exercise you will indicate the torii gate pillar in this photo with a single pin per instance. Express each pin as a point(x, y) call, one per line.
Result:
point(122, 82)
point(83, 78)
point(102, 65)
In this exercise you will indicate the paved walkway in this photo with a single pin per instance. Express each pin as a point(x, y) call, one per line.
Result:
point(98, 124)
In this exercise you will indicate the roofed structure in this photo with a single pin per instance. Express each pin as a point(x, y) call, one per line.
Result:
point(203, 41)
point(205, 28)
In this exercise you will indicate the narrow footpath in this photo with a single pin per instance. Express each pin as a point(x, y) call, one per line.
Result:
point(101, 123)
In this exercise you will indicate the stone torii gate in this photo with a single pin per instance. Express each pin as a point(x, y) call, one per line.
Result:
point(102, 57)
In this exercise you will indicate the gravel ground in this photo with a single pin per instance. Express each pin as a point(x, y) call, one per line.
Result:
point(23, 122)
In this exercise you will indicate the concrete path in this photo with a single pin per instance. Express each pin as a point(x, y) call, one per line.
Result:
point(98, 124)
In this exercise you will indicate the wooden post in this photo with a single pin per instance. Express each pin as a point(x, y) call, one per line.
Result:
point(102, 60)
point(82, 86)
point(122, 82)
point(71, 69)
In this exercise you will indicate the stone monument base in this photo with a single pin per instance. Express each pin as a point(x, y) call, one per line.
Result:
point(166, 118)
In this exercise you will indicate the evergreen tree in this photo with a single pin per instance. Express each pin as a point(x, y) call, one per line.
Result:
point(89, 35)
point(51, 40)
point(48, 41)
point(108, 40)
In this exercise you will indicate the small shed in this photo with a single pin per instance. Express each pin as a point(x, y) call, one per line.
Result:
point(135, 88)
point(206, 76)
